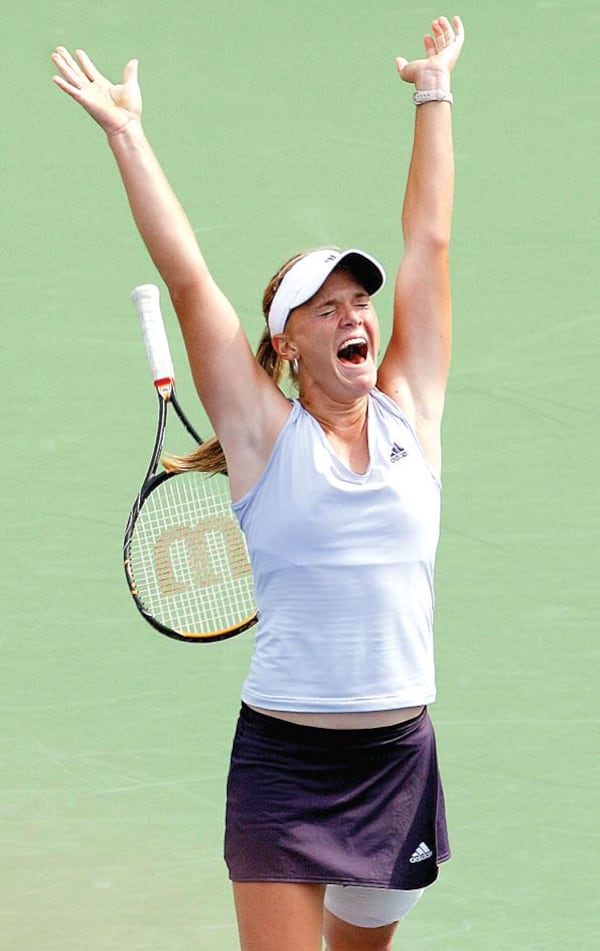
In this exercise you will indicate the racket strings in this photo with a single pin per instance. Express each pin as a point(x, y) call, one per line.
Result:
point(188, 559)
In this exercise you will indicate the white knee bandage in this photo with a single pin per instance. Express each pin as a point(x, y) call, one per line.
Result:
point(370, 907)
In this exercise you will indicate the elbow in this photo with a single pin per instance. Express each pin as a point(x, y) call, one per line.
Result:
point(434, 239)
point(186, 288)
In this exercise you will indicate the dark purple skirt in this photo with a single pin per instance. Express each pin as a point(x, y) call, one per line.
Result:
point(346, 807)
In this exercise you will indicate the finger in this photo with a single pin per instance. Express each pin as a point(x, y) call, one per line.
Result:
point(64, 62)
point(130, 73)
point(72, 90)
point(430, 47)
point(443, 33)
point(88, 67)
point(459, 30)
point(400, 63)
point(446, 30)
point(63, 53)
point(438, 35)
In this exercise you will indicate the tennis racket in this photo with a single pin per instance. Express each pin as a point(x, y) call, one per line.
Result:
point(186, 560)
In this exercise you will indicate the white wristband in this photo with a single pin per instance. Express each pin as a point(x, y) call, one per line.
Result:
point(421, 96)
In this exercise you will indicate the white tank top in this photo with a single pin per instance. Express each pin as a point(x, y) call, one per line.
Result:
point(343, 570)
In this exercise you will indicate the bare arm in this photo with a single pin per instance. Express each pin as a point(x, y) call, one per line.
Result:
point(415, 367)
point(227, 376)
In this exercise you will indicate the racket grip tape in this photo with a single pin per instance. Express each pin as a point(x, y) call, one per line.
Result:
point(146, 298)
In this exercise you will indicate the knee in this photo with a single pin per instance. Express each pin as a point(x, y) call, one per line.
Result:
point(362, 943)
point(342, 936)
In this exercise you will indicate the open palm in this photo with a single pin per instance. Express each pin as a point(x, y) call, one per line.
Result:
point(113, 106)
point(442, 47)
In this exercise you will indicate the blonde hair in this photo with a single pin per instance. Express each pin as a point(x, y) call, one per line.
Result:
point(209, 457)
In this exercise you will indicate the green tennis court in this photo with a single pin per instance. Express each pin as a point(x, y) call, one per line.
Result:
point(282, 126)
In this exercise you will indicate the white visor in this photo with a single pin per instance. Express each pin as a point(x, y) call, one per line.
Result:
point(307, 275)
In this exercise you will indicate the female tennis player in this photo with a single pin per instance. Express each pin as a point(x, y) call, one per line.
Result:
point(335, 812)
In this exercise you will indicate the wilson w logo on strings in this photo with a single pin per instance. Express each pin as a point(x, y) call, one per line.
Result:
point(199, 556)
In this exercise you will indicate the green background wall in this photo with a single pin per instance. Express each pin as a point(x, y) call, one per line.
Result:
point(283, 126)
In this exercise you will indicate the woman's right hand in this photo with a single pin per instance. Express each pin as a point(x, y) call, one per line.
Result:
point(112, 106)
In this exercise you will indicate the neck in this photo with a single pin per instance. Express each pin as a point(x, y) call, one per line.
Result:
point(345, 427)
point(345, 419)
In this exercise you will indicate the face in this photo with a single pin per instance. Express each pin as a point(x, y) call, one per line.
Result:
point(334, 337)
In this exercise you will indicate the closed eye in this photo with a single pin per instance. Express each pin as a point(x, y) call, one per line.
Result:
point(329, 309)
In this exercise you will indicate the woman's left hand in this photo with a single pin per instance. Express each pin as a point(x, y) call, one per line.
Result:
point(443, 46)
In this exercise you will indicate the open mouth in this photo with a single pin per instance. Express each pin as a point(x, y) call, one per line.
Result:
point(353, 351)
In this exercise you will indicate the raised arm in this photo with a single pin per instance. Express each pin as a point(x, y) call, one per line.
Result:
point(242, 402)
point(415, 367)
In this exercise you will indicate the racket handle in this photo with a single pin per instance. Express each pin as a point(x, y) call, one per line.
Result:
point(146, 298)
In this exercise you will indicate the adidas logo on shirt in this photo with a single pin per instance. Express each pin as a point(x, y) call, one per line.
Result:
point(398, 452)
point(421, 853)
